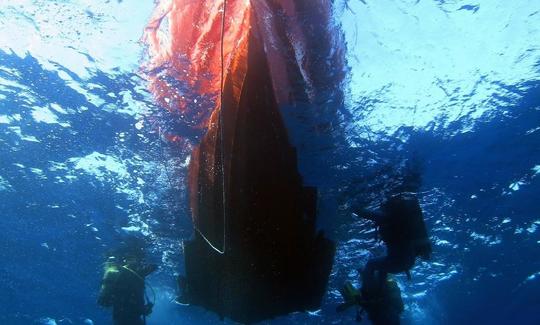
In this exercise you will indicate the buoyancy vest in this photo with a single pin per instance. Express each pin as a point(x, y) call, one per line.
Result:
point(106, 292)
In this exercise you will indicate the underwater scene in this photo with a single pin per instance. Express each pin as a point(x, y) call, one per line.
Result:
point(269, 162)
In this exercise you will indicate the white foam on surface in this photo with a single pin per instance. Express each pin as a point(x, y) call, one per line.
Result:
point(18, 132)
point(44, 115)
point(58, 108)
point(464, 78)
point(99, 165)
point(70, 36)
point(516, 185)
point(532, 228)
point(533, 276)
point(4, 184)
point(4, 119)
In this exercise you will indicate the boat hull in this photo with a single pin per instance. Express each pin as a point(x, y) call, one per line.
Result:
point(248, 201)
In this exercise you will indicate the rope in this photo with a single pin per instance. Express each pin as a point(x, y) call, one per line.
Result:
point(224, 198)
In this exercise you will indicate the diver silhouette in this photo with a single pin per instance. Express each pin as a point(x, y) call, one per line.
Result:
point(123, 286)
point(401, 227)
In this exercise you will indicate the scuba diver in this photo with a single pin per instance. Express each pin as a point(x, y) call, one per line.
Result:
point(123, 286)
point(401, 226)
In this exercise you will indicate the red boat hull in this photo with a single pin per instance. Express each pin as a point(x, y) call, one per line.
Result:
point(274, 260)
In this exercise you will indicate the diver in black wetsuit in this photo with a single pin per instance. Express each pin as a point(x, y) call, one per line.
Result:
point(123, 288)
point(401, 226)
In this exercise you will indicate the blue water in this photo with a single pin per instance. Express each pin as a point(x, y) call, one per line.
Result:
point(451, 87)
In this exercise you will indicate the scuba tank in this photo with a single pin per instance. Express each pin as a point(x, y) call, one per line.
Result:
point(406, 224)
point(106, 292)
